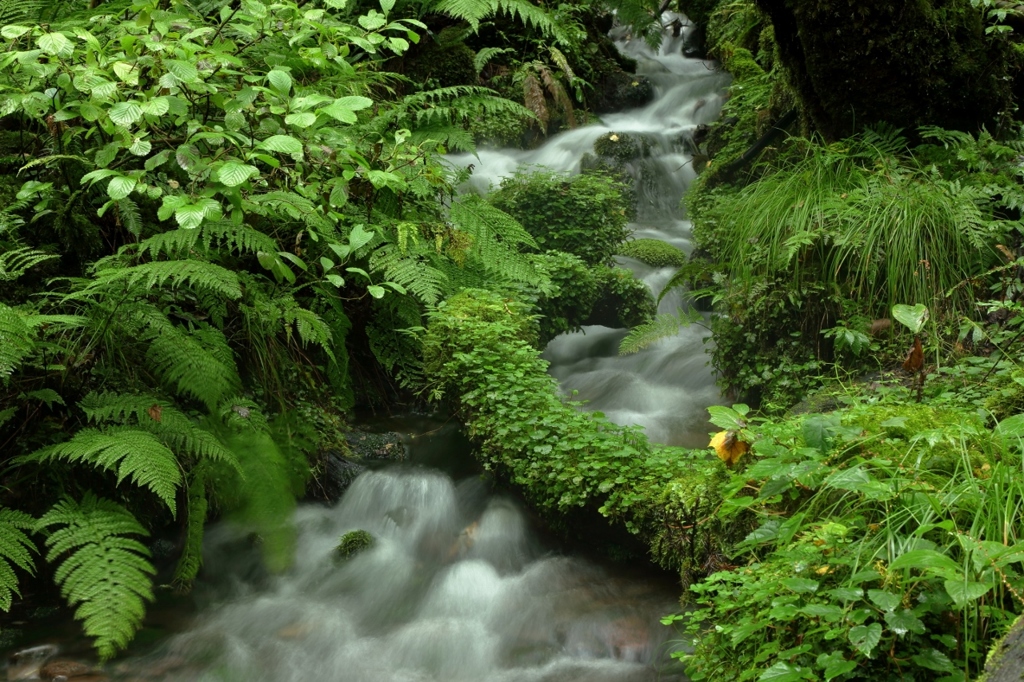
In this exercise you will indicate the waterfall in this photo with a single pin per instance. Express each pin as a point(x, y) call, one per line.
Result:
point(666, 387)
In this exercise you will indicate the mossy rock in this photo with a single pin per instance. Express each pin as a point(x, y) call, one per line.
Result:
point(352, 543)
point(624, 302)
point(1006, 658)
point(621, 147)
point(654, 252)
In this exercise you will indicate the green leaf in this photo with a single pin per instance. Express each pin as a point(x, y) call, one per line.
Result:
point(817, 429)
point(827, 612)
point(56, 44)
point(191, 216)
point(801, 585)
point(125, 113)
point(280, 81)
point(928, 560)
point(964, 591)
point(865, 638)
point(157, 160)
point(912, 317)
point(141, 147)
point(887, 601)
point(284, 144)
point(340, 112)
point(1011, 431)
point(847, 593)
point(301, 120)
point(354, 102)
point(933, 659)
point(726, 418)
point(158, 106)
point(376, 291)
point(13, 31)
point(183, 71)
point(782, 672)
point(838, 668)
point(121, 186)
point(902, 622)
point(234, 174)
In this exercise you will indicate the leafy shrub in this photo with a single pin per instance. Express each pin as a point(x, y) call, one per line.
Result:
point(584, 214)
point(653, 252)
point(624, 301)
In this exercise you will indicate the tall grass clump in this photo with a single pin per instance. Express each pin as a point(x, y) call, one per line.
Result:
point(867, 220)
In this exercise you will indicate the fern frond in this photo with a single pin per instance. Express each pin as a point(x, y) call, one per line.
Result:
point(191, 559)
point(661, 327)
point(16, 341)
point(473, 11)
point(485, 55)
point(172, 426)
point(496, 238)
point(105, 574)
point(193, 273)
point(16, 550)
point(311, 329)
point(16, 262)
point(129, 215)
point(426, 283)
point(198, 364)
point(130, 453)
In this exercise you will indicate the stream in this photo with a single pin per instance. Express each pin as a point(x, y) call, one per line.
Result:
point(461, 584)
point(666, 387)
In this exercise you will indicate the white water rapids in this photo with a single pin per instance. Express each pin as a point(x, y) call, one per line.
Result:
point(458, 587)
point(664, 388)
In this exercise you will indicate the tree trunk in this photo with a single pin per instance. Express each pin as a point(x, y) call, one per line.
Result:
point(855, 63)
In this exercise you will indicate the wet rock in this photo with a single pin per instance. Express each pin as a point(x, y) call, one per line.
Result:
point(336, 474)
point(694, 45)
point(25, 664)
point(63, 670)
point(621, 90)
point(377, 446)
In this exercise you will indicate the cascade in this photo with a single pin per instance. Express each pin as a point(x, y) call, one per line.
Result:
point(666, 387)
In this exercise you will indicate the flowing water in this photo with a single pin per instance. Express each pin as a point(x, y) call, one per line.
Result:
point(458, 586)
point(666, 387)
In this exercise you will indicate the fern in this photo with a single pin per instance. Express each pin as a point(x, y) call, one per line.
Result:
point(105, 574)
point(486, 55)
point(496, 239)
point(661, 327)
point(198, 364)
point(191, 559)
point(129, 216)
point(193, 273)
point(16, 550)
point(130, 453)
point(16, 341)
point(172, 426)
point(221, 234)
point(473, 11)
point(16, 262)
point(426, 283)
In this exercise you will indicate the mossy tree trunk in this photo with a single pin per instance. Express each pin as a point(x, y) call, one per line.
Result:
point(855, 63)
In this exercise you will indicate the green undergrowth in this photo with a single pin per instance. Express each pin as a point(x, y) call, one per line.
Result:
point(480, 354)
point(887, 546)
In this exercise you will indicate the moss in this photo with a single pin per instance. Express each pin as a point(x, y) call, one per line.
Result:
point(908, 64)
point(443, 63)
point(1001, 666)
point(624, 301)
point(653, 252)
point(352, 543)
point(621, 147)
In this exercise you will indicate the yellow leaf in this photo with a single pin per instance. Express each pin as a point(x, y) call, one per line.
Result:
point(728, 446)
